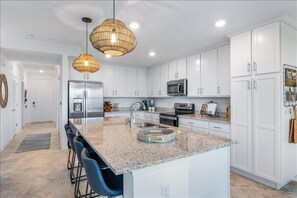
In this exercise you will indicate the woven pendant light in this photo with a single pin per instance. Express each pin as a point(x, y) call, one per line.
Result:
point(86, 63)
point(112, 37)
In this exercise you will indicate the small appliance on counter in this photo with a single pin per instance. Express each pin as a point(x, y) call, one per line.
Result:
point(171, 118)
point(209, 109)
point(148, 103)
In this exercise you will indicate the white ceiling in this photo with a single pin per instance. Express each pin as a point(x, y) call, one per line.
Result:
point(171, 28)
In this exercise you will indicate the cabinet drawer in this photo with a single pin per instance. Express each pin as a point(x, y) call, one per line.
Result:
point(220, 134)
point(138, 115)
point(151, 116)
point(200, 130)
point(194, 123)
point(219, 127)
point(185, 126)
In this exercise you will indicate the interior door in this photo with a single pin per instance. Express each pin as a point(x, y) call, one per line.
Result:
point(42, 104)
point(241, 123)
point(193, 73)
point(266, 94)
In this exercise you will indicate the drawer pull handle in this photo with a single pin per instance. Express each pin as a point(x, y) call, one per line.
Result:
point(190, 123)
point(217, 127)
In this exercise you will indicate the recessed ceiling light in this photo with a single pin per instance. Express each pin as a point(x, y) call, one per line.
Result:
point(152, 53)
point(107, 55)
point(134, 25)
point(30, 36)
point(41, 71)
point(220, 23)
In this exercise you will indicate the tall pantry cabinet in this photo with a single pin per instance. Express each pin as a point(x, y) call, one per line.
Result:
point(257, 106)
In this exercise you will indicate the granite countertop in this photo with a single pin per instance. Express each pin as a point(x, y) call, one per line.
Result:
point(118, 146)
point(198, 116)
point(157, 111)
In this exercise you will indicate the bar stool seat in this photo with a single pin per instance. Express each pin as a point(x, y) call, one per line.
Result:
point(102, 181)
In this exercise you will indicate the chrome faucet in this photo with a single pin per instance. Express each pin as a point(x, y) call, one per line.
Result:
point(130, 121)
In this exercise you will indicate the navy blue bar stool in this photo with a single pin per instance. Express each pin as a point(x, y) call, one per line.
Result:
point(67, 127)
point(102, 181)
point(79, 146)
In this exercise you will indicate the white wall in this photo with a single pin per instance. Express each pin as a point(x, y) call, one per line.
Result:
point(12, 70)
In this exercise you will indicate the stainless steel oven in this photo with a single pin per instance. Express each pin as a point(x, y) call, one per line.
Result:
point(177, 87)
point(169, 119)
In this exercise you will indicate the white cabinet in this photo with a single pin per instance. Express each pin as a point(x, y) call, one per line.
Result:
point(224, 71)
point(209, 73)
point(141, 85)
point(131, 82)
point(193, 73)
point(256, 52)
point(108, 80)
point(241, 124)
point(164, 80)
point(157, 81)
point(241, 55)
point(96, 76)
point(266, 98)
point(150, 82)
point(178, 69)
point(114, 79)
point(265, 49)
point(136, 83)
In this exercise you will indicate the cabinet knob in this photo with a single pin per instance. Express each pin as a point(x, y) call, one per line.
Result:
point(249, 67)
point(248, 84)
point(200, 90)
point(255, 84)
point(219, 90)
point(255, 66)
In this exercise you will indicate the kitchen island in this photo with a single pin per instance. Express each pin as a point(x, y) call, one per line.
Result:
point(193, 165)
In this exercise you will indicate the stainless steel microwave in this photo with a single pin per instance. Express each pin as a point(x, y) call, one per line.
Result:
point(177, 87)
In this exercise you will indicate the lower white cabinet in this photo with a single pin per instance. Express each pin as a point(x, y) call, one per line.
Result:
point(255, 122)
point(151, 116)
point(205, 126)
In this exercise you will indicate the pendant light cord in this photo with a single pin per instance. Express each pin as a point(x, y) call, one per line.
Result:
point(113, 11)
point(86, 38)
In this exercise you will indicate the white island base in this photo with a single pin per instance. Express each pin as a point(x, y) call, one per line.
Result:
point(203, 175)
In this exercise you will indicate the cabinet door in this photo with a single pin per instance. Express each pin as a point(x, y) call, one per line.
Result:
point(241, 56)
point(150, 82)
point(224, 71)
point(193, 73)
point(141, 82)
point(182, 68)
point(157, 81)
point(120, 81)
point(164, 80)
point(241, 123)
point(172, 68)
point(266, 49)
point(108, 80)
point(209, 73)
point(266, 97)
point(131, 82)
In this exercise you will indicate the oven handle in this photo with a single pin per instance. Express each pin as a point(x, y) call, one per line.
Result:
point(169, 118)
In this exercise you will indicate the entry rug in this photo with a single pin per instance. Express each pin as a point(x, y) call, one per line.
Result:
point(35, 142)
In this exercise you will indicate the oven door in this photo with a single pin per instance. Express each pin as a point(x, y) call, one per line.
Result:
point(169, 120)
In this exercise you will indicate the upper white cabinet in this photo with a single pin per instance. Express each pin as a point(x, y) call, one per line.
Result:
point(157, 81)
point(141, 85)
point(108, 81)
point(178, 69)
point(224, 71)
point(193, 73)
point(241, 55)
point(96, 76)
point(266, 49)
point(150, 82)
point(256, 51)
point(131, 88)
point(209, 73)
point(136, 84)
point(114, 81)
point(164, 80)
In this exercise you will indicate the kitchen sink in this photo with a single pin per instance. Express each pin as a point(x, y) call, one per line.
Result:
point(149, 125)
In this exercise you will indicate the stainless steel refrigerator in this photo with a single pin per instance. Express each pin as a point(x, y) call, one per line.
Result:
point(85, 99)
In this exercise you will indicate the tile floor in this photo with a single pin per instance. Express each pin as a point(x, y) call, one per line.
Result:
point(43, 173)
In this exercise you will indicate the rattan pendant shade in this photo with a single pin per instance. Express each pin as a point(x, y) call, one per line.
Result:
point(113, 37)
point(86, 63)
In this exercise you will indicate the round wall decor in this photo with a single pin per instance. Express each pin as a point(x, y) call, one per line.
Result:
point(3, 91)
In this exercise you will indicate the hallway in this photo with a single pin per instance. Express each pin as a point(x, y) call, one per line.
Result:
point(43, 173)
